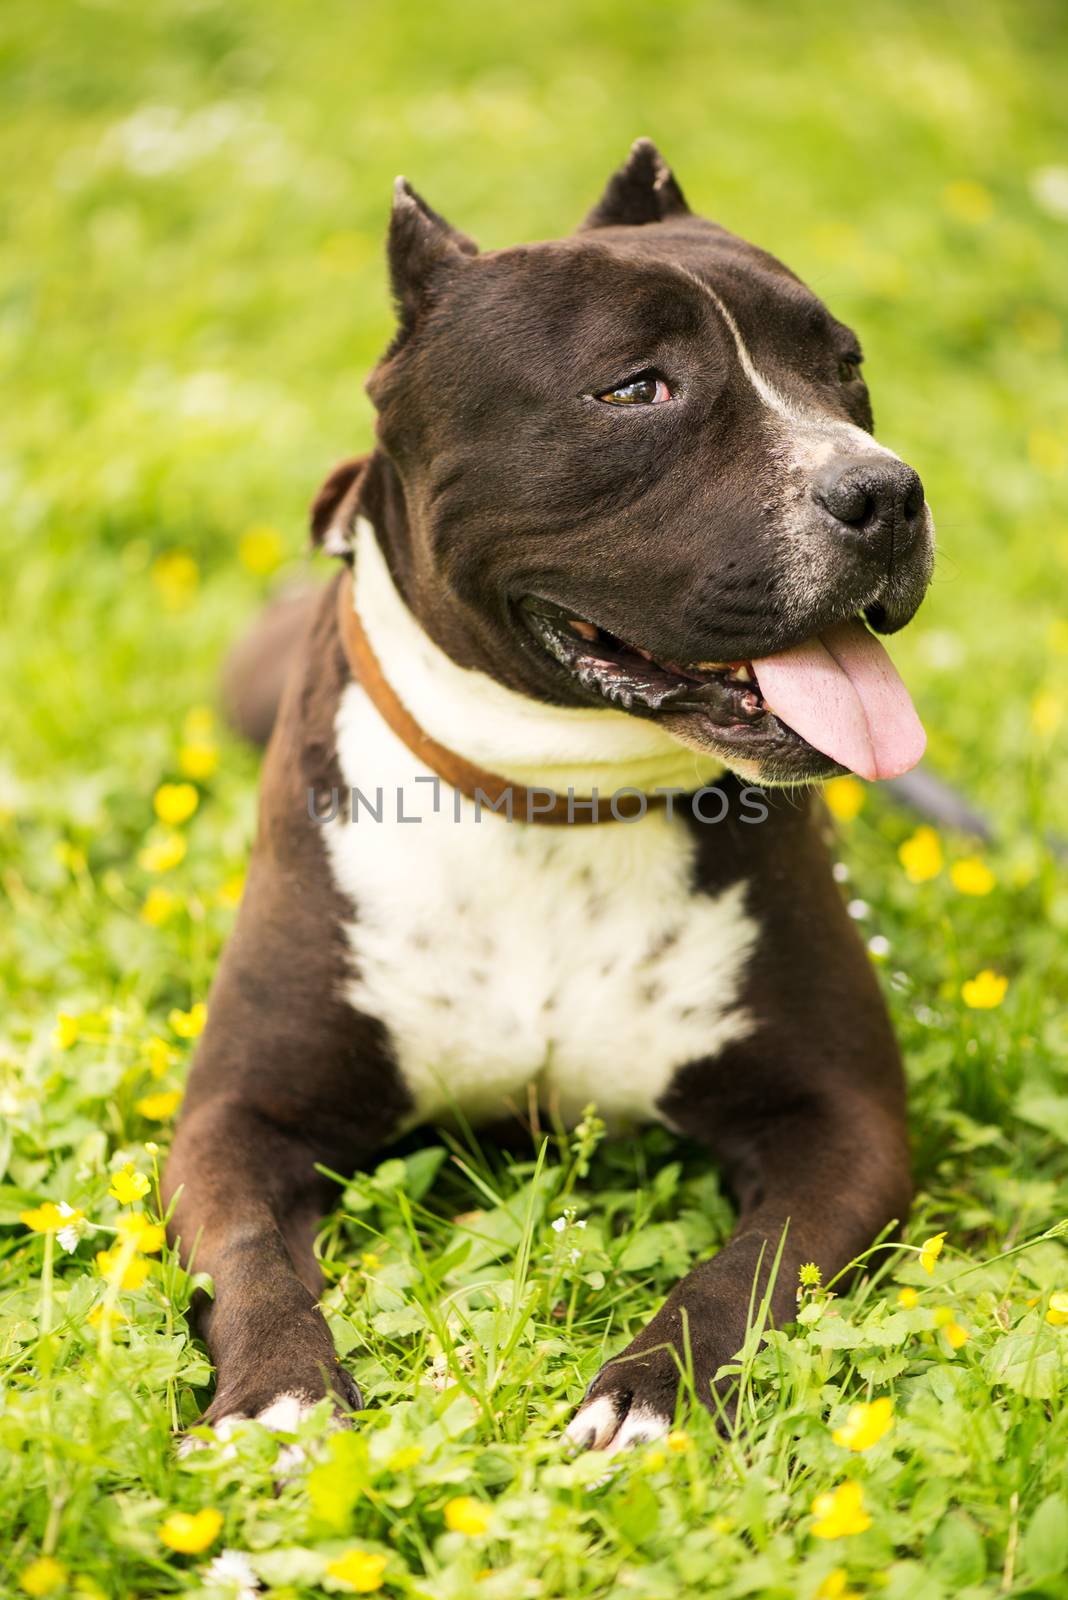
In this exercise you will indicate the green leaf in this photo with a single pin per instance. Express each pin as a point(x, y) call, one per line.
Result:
point(409, 1319)
point(637, 1514)
point(390, 1174)
point(957, 1551)
point(1045, 1542)
point(423, 1167)
point(645, 1249)
point(1046, 1111)
point(1028, 1360)
point(336, 1484)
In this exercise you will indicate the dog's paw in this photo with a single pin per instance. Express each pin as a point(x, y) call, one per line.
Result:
point(629, 1403)
point(283, 1412)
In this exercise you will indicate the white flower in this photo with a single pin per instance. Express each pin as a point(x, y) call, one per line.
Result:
point(233, 1570)
point(68, 1237)
point(574, 1256)
point(560, 1224)
point(858, 909)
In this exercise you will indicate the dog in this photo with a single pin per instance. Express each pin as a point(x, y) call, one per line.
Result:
point(536, 816)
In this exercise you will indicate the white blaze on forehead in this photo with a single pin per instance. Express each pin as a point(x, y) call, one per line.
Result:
point(837, 431)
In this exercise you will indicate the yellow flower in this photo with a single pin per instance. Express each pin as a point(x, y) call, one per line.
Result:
point(678, 1441)
point(65, 1032)
point(835, 1586)
point(148, 1237)
point(260, 549)
point(162, 853)
point(68, 855)
point(191, 1532)
point(841, 1512)
point(956, 1336)
point(985, 991)
point(96, 1316)
point(844, 797)
point(907, 1298)
point(369, 1261)
point(43, 1576)
point(231, 889)
point(175, 803)
point(159, 1107)
point(1047, 709)
point(189, 1024)
point(968, 200)
point(467, 1515)
point(930, 1251)
point(198, 760)
point(159, 904)
point(49, 1218)
point(128, 1185)
point(158, 1055)
point(865, 1425)
point(1057, 1315)
point(921, 855)
point(129, 1276)
point(176, 576)
point(198, 723)
point(972, 876)
point(361, 1569)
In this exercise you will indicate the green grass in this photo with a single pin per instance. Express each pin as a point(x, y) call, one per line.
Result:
point(190, 298)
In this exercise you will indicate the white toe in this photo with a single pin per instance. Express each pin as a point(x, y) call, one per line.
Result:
point(598, 1426)
point(222, 1430)
point(285, 1413)
point(595, 1425)
point(640, 1426)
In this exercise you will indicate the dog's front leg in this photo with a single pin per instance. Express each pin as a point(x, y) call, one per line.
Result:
point(249, 1202)
point(819, 1172)
point(288, 1077)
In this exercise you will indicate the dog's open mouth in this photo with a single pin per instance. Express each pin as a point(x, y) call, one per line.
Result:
point(832, 703)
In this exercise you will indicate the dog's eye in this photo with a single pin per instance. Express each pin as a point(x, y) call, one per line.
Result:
point(646, 389)
point(849, 369)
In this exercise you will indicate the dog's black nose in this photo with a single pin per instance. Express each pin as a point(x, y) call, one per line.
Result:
point(878, 498)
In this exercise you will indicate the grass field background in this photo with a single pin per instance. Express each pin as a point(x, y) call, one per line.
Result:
point(191, 294)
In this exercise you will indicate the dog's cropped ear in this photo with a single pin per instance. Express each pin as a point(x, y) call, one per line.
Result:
point(420, 247)
point(642, 190)
point(334, 509)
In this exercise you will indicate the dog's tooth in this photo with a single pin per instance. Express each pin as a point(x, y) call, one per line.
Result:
point(585, 630)
point(742, 674)
point(709, 666)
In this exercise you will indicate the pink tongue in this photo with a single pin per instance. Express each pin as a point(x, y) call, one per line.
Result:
point(842, 693)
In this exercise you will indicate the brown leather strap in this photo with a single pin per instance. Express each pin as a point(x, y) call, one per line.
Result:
point(486, 788)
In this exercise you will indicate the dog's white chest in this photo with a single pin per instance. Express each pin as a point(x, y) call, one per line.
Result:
point(500, 956)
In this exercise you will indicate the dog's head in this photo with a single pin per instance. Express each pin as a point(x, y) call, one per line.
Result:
point(623, 467)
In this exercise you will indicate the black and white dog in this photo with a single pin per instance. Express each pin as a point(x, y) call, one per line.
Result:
point(613, 551)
